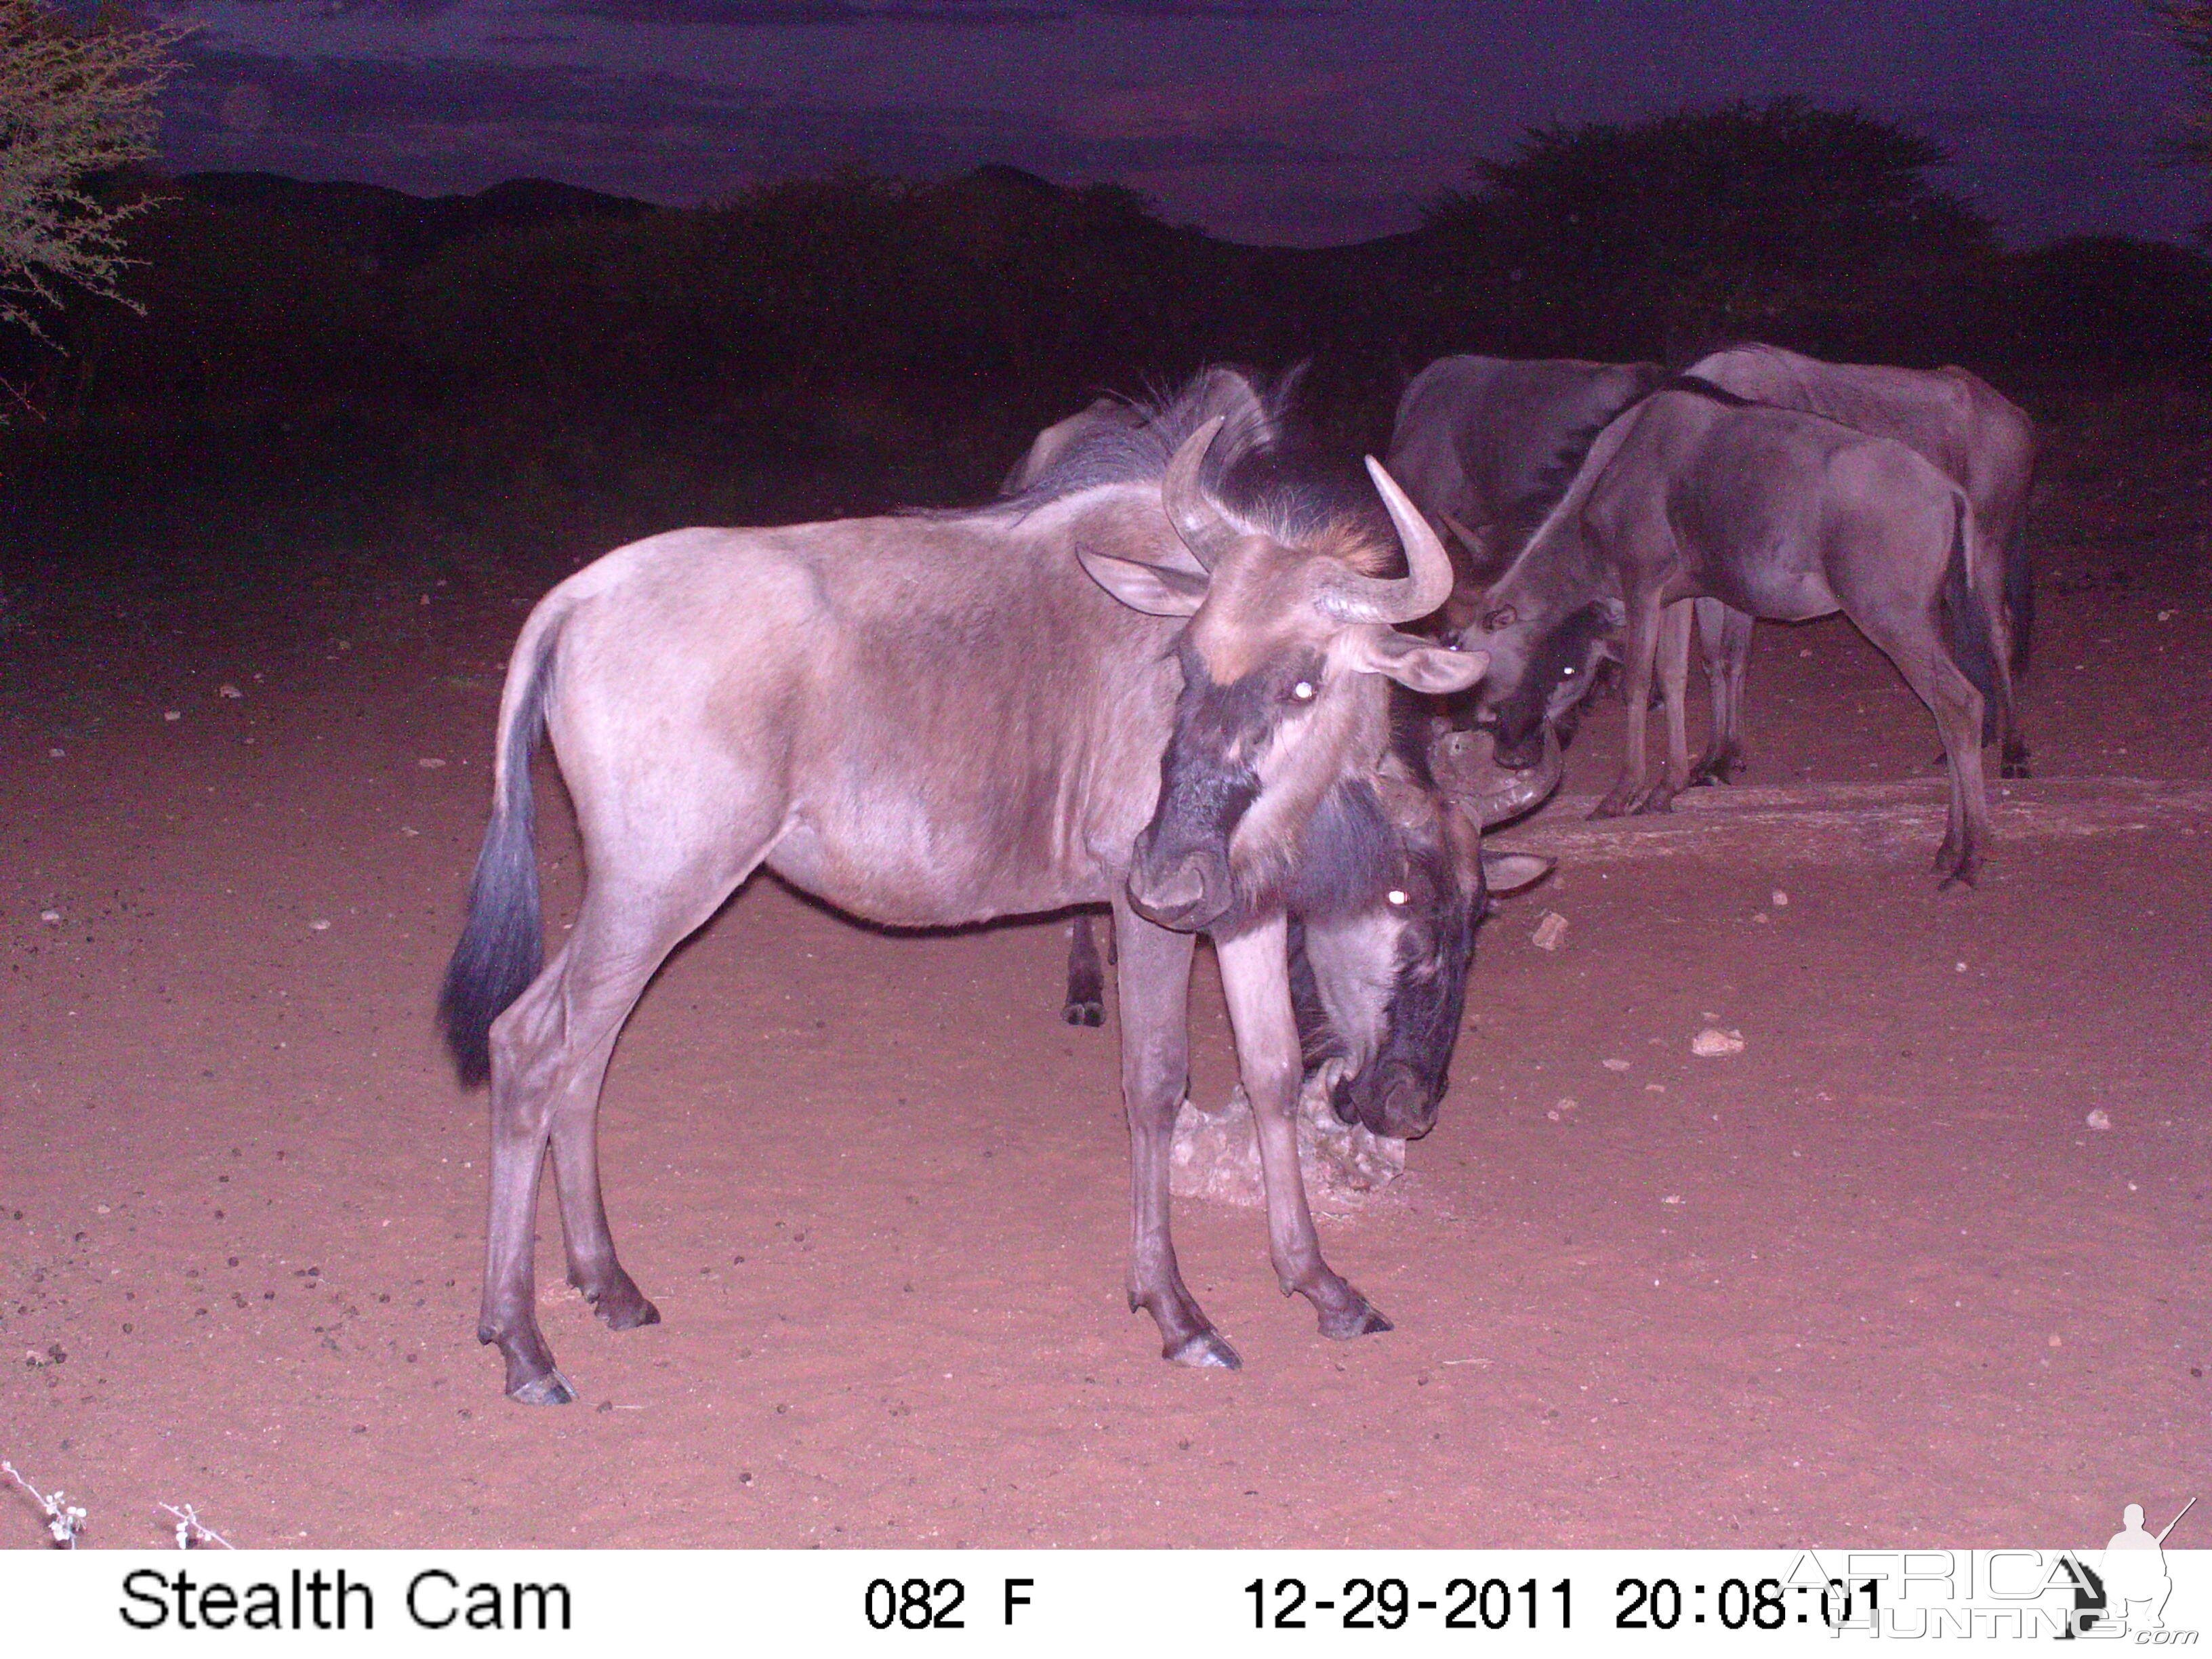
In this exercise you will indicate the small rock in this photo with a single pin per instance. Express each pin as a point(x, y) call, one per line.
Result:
point(1711, 1042)
point(1615, 1065)
point(1672, 1198)
point(1779, 900)
point(52, 918)
point(430, 762)
point(1550, 931)
point(2100, 1120)
point(56, 754)
point(320, 925)
point(229, 690)
point(171, 714)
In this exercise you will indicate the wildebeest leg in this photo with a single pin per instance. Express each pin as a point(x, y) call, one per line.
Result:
point(1153, 975)
point(550, 1054)
point(1907, 636)
point(1725, 633)
point(1628, 793)
point(1086, 975)
point(1674, 682)
point(1255, 976)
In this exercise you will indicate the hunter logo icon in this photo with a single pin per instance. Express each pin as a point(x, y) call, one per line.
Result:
point(2136, 1583)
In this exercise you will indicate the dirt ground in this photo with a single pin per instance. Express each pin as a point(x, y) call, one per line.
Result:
point(1876, 1280)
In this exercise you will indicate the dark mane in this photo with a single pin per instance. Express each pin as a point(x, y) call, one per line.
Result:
point(1261, 469)
point(1699, 386)
point(1524, 516)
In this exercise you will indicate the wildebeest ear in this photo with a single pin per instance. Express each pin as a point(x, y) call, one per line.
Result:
point(1158, 589)
point(1418, 665)
point(1614, 612)
point(1509, 872)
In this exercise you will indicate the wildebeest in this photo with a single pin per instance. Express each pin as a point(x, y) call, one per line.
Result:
point(935, 720)
point(1954, 419)
point(1697, 493)
point(1379, 992)
point(1485, 445)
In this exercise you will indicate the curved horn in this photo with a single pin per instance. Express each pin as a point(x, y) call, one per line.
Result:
point(1195, 518)
point(1472, 781)
point(1391, 600)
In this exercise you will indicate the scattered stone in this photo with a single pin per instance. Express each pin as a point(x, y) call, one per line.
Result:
point(56, 754)
point(1672, 1198)
point(52, 918)
point(1550, 931)
point(1615, 1065)
point(1712, 1043)
point(429, 763)
point(1779, 900)
point(320, 925)
point(229, 690)
point(171, 714)
point(2100, 1120)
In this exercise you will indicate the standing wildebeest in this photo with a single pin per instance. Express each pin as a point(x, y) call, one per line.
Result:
point(1484, 446)
point(1697, 493)
point(936, 719)
point(1952, 418)
point(1379, 992)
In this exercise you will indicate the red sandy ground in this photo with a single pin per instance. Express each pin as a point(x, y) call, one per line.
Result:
point(1874, 1281)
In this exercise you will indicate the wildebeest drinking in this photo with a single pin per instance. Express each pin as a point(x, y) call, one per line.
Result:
point(938, 719)
point(1696, 492)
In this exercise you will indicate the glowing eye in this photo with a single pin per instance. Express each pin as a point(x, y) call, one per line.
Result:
point(1396, 895)
point(1567, 670)
point(1303, 691)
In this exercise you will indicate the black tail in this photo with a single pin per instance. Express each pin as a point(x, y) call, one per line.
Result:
point(2019, 592)
point(502, 945)
point(1972, 638)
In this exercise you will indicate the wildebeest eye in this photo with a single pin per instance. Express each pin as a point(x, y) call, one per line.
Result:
point(1568, 669)
point(1396, 895)
point(1303, 691)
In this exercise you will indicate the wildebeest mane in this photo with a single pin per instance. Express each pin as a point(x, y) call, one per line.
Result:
point(1262, 468)
point(1524, 515)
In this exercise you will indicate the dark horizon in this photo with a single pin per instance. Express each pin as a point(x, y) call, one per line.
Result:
point(1266, 122)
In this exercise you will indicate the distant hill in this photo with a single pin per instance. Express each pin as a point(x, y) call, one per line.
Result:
point(394, 228)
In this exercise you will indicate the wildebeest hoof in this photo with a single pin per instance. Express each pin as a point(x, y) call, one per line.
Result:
point(1659, 800)
point(1361, 1321)
point(628, 1315)
point(620, 1303)
point(1083, 1013)
point(1205, 1350)
point(2014, 769)
point(1607, 808)
point(550, 1389)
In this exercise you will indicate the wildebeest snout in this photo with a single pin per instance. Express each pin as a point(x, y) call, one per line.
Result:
point(1186, 891)
point(1393, 1099)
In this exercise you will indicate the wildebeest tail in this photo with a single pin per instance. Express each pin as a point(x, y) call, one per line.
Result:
point(502, 945)
point(2019, 592)
point(1968, 627)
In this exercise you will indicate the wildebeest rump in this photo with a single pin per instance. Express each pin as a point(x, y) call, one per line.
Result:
point(1696, 493)
point(1485, 445)
point(937, 719)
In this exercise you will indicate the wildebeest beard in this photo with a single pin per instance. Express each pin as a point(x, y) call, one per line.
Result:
point(1559, 673)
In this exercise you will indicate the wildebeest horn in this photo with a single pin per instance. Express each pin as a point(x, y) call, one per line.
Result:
point(1391, 600)
point(1466, 771)
point(1203, 530)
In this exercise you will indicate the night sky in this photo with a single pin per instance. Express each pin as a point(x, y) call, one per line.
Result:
point(1296, 121)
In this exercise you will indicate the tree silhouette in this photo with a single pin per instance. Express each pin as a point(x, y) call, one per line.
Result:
point(74, 102)
point(1779, 220)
